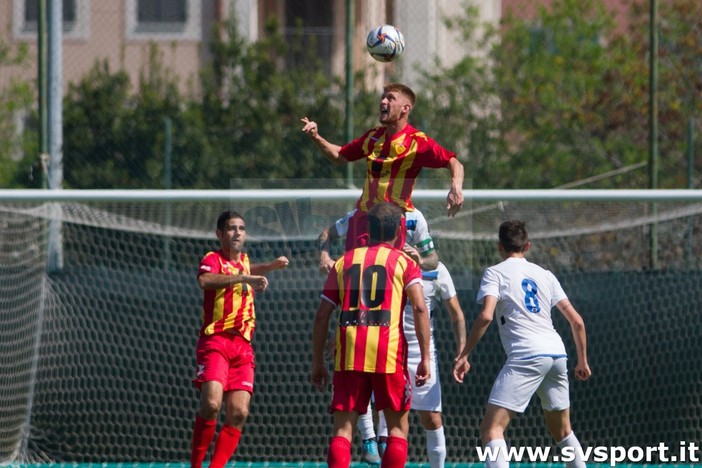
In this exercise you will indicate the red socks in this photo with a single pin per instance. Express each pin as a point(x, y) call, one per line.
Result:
point(224, 448)
point(339, 455)
point(203, 433)
point(395, 454)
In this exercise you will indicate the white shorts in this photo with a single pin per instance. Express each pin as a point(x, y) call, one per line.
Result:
point(519, 379)
point(428, 396)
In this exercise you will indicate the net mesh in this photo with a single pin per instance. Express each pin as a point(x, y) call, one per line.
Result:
point(98, 354)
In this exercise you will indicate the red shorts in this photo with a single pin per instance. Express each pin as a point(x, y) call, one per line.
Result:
point(353, 389)
point(225, 358)
point(358, 236)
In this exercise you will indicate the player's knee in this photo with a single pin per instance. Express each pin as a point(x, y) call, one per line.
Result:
point(209, 407)
point(560, 433)
point(490, 432)
point(431, 420)
point(558, 424)
point(238, 416)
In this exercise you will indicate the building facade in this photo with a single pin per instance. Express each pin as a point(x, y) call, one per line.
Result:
point(123, 32)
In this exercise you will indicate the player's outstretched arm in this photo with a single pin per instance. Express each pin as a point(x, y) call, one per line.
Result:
point(461, 365)
point(263, 268)
point(329, 150)
point(577, 328)
point(319, 375)
point(454, 200)
point(415, 294)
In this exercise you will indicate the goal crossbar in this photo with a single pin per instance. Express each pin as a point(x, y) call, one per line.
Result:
point(641, 195)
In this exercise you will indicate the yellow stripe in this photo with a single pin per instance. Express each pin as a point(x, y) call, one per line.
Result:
point(339, 281)
point(401, 175)
point(352, 332)
point(396, 323)
point(373, 151)
point(371, 356)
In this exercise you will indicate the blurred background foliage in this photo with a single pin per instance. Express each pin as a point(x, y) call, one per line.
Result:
point(561, 99)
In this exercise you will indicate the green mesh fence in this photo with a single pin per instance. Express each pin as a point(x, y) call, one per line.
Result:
point(98, 357)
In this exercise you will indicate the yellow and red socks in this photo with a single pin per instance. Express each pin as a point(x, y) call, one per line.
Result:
point(226, 444)
point(395, 454)
point(339, 455)
point(203, 433)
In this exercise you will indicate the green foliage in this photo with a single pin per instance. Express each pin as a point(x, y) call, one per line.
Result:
point(114, 136)
point(559, 98)
point(14, 100)
point(679, 82)
point(254, 107)
point(568, 106)
point(457, 107)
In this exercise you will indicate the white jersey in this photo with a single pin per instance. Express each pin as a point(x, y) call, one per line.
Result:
point(417, 230)
point(438, 285)
point(525, 294)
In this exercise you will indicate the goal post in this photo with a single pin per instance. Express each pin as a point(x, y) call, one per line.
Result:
point(98, 357)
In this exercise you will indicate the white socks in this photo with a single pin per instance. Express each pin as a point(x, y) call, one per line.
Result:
point(499, 449)
point(436, 447)
point(365, 425)
point(572, 441)
point(382, 425)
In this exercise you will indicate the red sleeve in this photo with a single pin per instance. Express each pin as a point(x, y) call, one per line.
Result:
point(354, 151)
point(332, 287)
point(431, 153)
point(209, 264)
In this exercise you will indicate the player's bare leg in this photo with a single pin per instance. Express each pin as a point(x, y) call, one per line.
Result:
point(205, 422)
point(237, 411)
point(436, 440)
point(395, 455)
point(492, 434)
point(339, 454)
point(558, 424)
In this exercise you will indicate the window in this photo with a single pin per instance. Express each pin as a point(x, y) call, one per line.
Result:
point(26, 18)
point(314, 20)
point(163, 19)
point(31, 13)
point(162, 11)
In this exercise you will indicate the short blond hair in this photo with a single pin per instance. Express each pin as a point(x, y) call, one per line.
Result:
point(401, 88)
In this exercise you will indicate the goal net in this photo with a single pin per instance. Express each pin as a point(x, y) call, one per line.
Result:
point(98, 347)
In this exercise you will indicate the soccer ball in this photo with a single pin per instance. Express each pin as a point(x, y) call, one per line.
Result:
point(385, 43)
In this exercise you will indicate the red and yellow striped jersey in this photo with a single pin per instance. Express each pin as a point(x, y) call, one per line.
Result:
point(393, 164)
point(368, 284)
point(228, 309)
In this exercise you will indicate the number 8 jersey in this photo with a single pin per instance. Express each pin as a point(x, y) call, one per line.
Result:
point(526, 293)
point(368, 285)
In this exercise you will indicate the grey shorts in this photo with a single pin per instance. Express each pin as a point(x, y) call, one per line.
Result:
point(519, 379)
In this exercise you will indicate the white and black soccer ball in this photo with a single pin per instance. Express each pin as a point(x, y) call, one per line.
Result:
point(385, 43)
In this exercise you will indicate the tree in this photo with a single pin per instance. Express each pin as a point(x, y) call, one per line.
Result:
point(15, 163)
point(114, 136)
point(679, 81)
point(253, 98)
point(559, 98)
point(571, 90)
point(458, 106)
